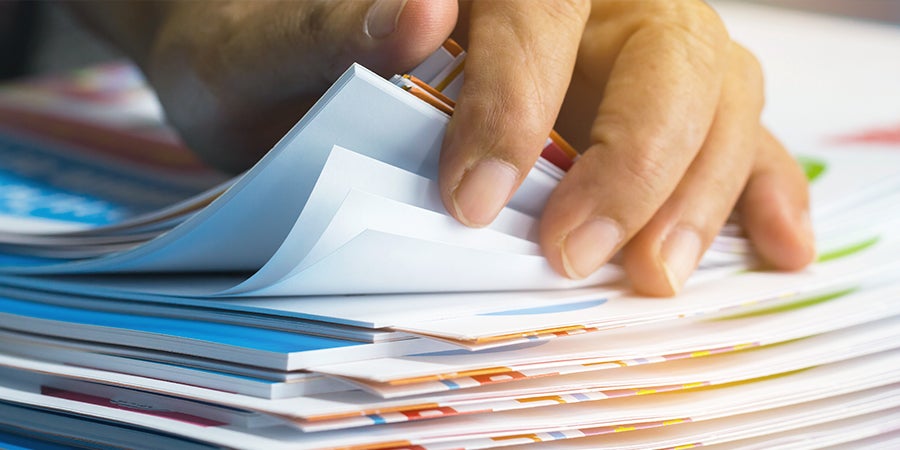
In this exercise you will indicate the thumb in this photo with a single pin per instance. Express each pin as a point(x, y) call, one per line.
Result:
point(235, 76)
point(402, 33)
point(387, 36)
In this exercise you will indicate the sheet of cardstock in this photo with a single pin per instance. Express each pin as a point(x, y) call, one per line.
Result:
point(146, 365)
point(344, 411)
point(195, 245)
point(250, 346)
point(861, 412)
point(370, 311)
point(813, 384)
point(875, 430)
point(820, 315)
point(722, 293)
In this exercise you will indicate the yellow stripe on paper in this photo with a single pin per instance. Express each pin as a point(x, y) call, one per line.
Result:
point(551, 398)
point(450, 77)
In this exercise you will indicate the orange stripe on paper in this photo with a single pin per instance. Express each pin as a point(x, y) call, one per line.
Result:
point(367, 412)
point(551, 398)
point(451, 375)
point(452, 47)
point(427, 88)
point(532, 437)
point(548, 331)
point(422, 95)
point(380, 446)
point(563, 144)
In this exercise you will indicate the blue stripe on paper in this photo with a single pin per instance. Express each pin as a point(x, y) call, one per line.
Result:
point(38, 182)
point(503, 349)
point(549, 309)
point(225, 334)
point(204, 370)
point(26, 261)
point(15, 442)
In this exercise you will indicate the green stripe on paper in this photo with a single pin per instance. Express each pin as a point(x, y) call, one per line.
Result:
point(847, 250)
point(790, 306)
point(812, 167)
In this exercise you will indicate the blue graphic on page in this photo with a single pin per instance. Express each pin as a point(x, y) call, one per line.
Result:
point(465, 352)
point(39, 182)
point(15, 442)
point(218, 333)
point(25, 261)
point(549, 309)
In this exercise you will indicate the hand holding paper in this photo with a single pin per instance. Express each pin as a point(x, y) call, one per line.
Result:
point(234, 76)
point(314, 301)
point(664, 104)
point(666, 108)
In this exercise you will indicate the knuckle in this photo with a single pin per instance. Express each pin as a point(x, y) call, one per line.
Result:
point(646, 169)
point(746, 77)
point(749, 65)
point(694, 28)
point(503, 126)
point(699, 20)
point(569, 10)
point(638, 159)
point(708, 24)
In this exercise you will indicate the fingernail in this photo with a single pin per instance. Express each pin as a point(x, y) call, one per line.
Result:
point(381, 20)
point(590, 245)
point(680, 254)
point(484, 191)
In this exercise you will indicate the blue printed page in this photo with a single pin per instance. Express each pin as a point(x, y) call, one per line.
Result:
point(44, 189)
point(89, 149)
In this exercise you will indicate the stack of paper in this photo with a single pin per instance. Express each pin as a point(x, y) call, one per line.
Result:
point(324, 298)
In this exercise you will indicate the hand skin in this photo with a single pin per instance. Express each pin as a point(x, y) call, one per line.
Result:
point(664, 105)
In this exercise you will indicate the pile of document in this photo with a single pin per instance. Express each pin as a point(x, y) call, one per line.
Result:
point(325, 299)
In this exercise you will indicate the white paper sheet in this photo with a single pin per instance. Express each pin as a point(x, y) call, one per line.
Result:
point(859, 375)
point(845, 418)
point(690, 335)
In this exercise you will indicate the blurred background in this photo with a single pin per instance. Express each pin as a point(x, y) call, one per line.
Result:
point(40, 36)
point(879, 10)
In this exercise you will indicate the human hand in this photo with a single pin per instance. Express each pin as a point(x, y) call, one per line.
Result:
point(667, 110)
point(234, 75)
point(665, 106)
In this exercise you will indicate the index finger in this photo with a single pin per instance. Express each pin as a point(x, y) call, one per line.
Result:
point(658, 105)
point(518, 67)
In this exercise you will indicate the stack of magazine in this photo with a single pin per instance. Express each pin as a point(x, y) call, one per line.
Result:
point(325, 299)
